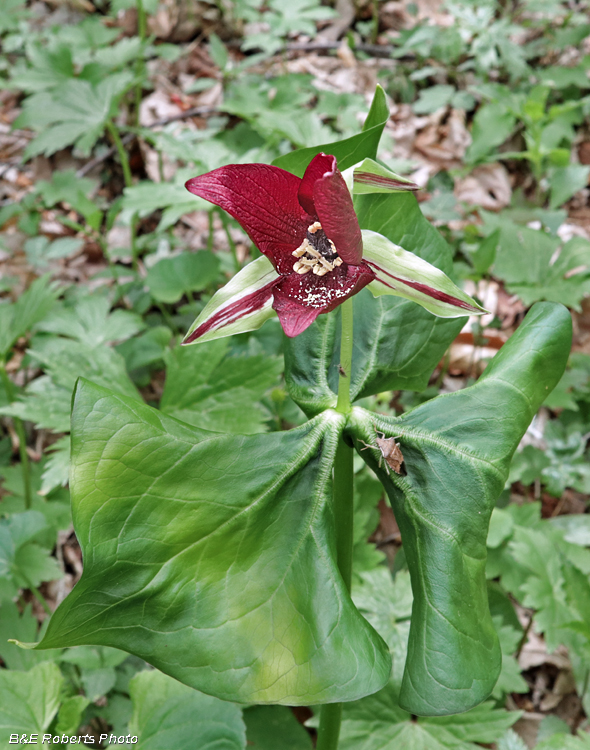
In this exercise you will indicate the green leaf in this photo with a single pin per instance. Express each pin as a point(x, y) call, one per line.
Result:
point(218, 51)
point(222, 539)
point(50, 68)
point(397, 344)
point(31, 307)
point(69, 717)
point(349, 151)
point(511, 741)
point(73, 113)
point(565, 182)
point(457, 450)
point(23, 627)
point(66, 187)
point(376, 723)
point(536, 266)
point(22, 561)
point(551, 725)
point(28, 700)
point(44, 403)
point(565, 742)
point(575, 528)
point(147, 197)
point(147, 349)
point(207, 389)
point(510, 679)
point(492, 125)
point(269, 727)
point(57, 467)
point(170, 278)
point(434, 98)
point(91, 321)
point(66, 359)
point(167, 714)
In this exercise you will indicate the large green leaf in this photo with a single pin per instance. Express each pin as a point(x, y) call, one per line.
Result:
point(213, 556)
point(349, 151)
point(457, 450)
point(377, 722)
point(209, 390)
point(168, 714)
point(28, 701)
point(397, 344)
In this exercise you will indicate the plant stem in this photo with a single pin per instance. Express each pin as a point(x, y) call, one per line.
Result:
point(123, 158)
point(112, 128)
point(230, 241)
point(39, 597)
point(22, 439)
point(343, 491)
point(140, 62)
point(343, 404)
point(329, 730)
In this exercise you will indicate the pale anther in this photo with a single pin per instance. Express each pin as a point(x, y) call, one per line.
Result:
point(321, 257)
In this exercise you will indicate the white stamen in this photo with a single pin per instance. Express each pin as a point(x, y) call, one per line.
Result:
point(311, 259)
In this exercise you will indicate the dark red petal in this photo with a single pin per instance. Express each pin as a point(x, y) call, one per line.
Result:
point(316, 169)
point(263, 199)
point(294, 318)
point(299, 299)
point(334, 208)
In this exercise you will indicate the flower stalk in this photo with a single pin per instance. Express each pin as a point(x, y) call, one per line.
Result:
point(123, 158)
point(343, 499)
point(19, 428)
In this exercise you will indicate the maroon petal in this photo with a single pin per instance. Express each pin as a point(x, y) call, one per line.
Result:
point(263, 199)
point(334, 208)
point(299, 299)
point(316, 169)
point(294, 318)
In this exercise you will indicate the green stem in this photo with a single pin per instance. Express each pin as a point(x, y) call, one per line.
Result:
point(22, 438)
point(343, 404)
point(343, 493)
point(140, 62)
point(329, 730)
point(112, 128)
point(39, 597)
point(210, 235)
point(123, 158)
point(230, 242)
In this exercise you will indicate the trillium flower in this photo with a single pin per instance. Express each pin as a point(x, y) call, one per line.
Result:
point(315, 255)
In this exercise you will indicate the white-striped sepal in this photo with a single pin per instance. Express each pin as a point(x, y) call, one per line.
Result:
point(370, 177)
point(243, 304)
point(404, 274)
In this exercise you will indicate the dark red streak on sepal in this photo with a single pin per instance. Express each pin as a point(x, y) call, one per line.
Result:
point(227, 315)
point(424, 288)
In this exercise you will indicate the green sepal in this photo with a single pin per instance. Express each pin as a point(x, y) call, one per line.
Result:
point(368, 176)
point(213, 556)
point(457, 450)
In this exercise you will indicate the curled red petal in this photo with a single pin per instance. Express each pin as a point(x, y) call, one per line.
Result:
point(299, 299)
point(335, 210)
point(263, 199)
point(316, 169)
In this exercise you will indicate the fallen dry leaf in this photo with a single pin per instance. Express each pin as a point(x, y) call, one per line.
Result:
point(487, 186)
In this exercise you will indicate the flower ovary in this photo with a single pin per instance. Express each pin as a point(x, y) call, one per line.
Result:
point(316, 253)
